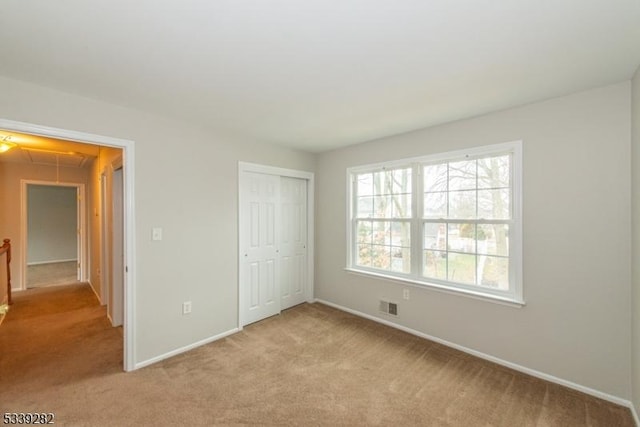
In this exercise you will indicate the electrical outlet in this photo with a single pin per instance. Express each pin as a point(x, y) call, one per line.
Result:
point(405, 294)
point(186, 307)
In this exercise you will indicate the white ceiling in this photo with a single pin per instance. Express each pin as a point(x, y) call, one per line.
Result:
point(47, 151)
point(320, 74)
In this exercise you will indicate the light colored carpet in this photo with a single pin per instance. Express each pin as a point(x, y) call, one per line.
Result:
point(52, 274)
point(311, 365)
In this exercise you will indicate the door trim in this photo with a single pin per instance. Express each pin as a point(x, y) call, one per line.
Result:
point(290, 173)
point(128, 156)
point(81, 242)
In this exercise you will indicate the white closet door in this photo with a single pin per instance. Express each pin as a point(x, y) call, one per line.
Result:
point(293, 245)
point(260, 216)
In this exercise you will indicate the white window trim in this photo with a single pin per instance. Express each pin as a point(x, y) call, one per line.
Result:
point(515, 296)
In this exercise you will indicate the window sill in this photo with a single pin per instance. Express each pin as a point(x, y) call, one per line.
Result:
point(441, 288)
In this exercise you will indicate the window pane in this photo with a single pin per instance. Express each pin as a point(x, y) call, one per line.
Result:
point(493, 272)
point(462, 175)
point(494, 204)
point(435, 205)
point(365, 184)
point(378, 183)
point(401, 181)
point(462, 204)
point(435, 264)
point(365, 232)
point(365, 207)
point(381, 233)
point(380, 257)
point(364, 255)
point(462, 268)
point(401, 260)
point(435, 177)
point(401, 234)
point(493, 172)
point(493, 239)
point(462, 238)
point(401, 206)
point(382, 207)
point(435, 236)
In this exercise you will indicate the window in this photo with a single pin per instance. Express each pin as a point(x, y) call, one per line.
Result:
point(450, 221)
point(383, 220)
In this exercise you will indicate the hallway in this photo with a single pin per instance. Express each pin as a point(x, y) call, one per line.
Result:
point(51, 337)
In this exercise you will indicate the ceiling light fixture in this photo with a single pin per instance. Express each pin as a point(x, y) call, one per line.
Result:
point(5, 144)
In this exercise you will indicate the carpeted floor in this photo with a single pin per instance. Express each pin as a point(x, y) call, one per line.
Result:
point(312, 365)
point(52, 274)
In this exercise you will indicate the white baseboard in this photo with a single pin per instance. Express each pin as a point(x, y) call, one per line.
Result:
point(3, 313)
point(94, 291)
point(55, 261)
point(5, 305)
point(587, 390)
point(635, 414)
point(184, 349)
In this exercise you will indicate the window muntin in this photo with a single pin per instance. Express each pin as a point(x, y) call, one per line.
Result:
point(458, 234)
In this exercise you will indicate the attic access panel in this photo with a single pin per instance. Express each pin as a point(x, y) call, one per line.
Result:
point(53, 158)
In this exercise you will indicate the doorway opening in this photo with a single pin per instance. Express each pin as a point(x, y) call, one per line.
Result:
point(93, 267)
point(53, 233)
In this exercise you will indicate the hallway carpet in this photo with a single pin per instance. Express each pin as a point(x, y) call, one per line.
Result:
point(311, 365)
point(52, 274)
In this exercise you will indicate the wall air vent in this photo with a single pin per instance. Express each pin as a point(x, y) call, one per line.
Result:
point(387, 307)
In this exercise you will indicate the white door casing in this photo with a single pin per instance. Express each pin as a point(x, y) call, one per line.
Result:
point(105, 278)
point(80, 235)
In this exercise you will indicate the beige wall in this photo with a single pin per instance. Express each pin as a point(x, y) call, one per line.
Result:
point(577, 321)
point(11, 175)
point(635, 260)
point(186, 183)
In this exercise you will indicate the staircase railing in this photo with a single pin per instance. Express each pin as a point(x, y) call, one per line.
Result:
point(5, 249)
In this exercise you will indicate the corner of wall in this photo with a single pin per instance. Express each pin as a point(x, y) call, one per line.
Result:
point(635, 253)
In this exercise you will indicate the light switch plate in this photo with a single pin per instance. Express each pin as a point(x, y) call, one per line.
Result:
point(156, 233)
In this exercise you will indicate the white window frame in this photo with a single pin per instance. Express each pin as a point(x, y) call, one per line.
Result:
point(514, 296)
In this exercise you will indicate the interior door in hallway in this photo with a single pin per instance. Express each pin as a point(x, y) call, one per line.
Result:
point(293, 246)
point(259, 264)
